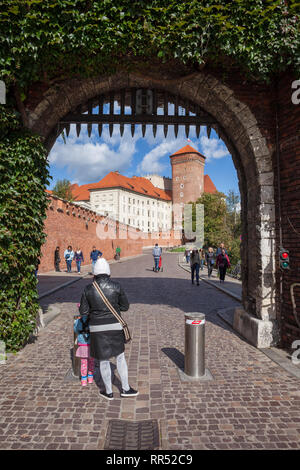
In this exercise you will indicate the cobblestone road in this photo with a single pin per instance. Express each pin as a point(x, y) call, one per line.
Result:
point(252, 403)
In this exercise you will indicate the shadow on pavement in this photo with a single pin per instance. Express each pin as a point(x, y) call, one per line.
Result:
point(156, 290)
point(176, 356)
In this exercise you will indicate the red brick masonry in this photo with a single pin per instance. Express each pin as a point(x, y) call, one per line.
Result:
point(69, 224)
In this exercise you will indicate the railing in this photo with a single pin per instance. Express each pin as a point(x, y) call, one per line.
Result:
point(235, 271)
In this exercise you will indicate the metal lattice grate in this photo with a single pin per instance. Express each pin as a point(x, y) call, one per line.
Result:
point(132, 435)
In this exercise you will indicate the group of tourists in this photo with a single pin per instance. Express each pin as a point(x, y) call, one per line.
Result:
point(77, 255)
point(196, 258)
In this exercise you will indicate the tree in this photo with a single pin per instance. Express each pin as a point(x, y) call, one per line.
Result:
point(233, 209)
point(63, 190)
point(221, 222)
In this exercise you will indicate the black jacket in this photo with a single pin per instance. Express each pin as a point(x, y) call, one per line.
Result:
point(104, 344)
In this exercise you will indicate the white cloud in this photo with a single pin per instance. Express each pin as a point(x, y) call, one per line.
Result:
point(87, 160)
point(151, 162)
point(213, 148)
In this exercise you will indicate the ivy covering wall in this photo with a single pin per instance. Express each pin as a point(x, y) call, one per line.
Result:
point(23, 203)
point(52, 40)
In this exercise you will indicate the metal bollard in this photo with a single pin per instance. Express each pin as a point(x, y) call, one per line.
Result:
point(194, 357)
point(76, 363)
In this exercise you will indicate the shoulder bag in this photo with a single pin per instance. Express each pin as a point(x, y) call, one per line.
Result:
point(114, 312)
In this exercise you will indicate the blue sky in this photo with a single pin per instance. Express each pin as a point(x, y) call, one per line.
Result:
point(86, 159)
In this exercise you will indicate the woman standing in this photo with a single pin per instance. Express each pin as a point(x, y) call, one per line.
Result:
point(57, 259)
point(79, 259)
point(107, 335)
point(195, 265)
point(223, 263)
point(210, 260)
point(69, 255)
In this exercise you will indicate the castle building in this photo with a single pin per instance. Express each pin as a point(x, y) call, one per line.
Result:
point(148, 202)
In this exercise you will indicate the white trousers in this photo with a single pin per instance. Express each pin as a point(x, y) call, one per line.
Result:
point(122, 369)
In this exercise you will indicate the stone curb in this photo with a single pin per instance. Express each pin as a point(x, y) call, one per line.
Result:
point(226, 291)
point(277, 357)
point(46, 318)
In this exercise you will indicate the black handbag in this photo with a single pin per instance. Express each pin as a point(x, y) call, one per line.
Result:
point(114, 312)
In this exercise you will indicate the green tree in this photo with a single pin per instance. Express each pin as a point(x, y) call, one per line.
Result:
point(215, 214)
point(63, 190)
point(221, 221)
point(234, 215)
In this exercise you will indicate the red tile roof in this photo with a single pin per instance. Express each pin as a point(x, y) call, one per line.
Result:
point(186, 149)
point(48, 191)
point(115, 180)
point(209, 186)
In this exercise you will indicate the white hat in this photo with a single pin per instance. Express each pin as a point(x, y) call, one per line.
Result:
point(101, 267)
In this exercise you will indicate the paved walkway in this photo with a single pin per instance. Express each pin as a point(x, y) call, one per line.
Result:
point(231, 285)
point(252, 403)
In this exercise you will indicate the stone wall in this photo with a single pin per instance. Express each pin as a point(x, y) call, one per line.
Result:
point(69, 224)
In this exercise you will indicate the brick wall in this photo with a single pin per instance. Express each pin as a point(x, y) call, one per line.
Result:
point(289, 138)
point(261, 99)
point(68, 224)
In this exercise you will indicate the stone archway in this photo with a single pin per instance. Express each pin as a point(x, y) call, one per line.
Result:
point(251, 156)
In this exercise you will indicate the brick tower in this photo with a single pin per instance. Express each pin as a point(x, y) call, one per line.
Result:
point(187, 179)
point(187, 175)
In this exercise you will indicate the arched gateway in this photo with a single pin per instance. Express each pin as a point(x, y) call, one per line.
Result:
point(257, 321)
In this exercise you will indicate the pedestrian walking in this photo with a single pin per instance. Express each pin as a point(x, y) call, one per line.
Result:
point(202, 258)
point(79, 259)
point(69, 255)
point(210, 261)
point(195, 265)
point(95, 254)
point(118, 253)
point(187, 255)
point(222, 263)
point(57, 259)
point(156, 252)
point(83, 350)
point(106, 333)
point(220, 248)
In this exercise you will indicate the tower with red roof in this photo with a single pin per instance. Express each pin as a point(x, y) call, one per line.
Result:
point(187, 175)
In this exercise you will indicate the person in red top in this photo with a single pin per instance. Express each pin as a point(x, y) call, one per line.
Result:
point(222, 263)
